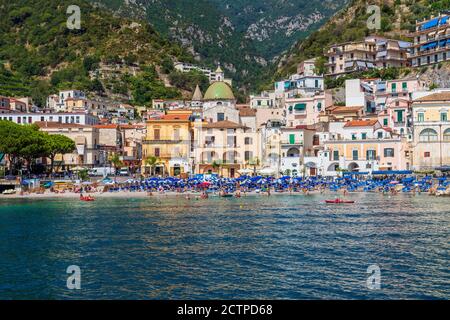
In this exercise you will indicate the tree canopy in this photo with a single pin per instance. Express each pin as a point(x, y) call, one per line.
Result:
point(25, 143)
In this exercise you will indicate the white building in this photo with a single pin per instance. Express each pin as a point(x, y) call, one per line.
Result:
point(267, 99)
point(30, 118)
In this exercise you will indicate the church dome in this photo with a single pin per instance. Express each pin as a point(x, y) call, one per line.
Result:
point(219, 91)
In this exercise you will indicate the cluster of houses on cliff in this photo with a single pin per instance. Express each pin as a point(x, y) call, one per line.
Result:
point(294, 129)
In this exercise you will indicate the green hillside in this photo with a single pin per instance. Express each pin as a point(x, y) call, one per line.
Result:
point(108, 56)
point(246, 36)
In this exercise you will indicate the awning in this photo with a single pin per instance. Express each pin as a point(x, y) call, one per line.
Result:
point(367, 87)
point(444, 20)
point(390, 173)
point(361, 64)
point(381, 54)
point(404, 44)
point(430, 24)
point(381, 86)
point(348, 64)
point(300, 107)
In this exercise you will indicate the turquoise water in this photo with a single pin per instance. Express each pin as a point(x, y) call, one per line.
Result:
point(282, 247)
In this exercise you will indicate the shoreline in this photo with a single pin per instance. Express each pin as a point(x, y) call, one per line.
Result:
point(192, 195)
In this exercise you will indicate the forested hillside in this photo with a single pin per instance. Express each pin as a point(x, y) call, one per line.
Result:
point(108, 56)
point(246, 36)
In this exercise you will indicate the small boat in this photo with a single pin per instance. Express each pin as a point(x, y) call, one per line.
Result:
point(9, 192)
point(339, 201)
point(87, 199)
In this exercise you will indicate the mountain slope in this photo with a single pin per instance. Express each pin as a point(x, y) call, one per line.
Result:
point(398, 18)
point(244, 35)
point(108, 56)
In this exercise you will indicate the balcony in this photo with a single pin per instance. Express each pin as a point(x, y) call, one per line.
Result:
point(165, 141)
point(296, 143)
point(218, 146)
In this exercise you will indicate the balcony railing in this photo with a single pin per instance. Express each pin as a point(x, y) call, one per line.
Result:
point(292, 143)
point(166, 141)
point(218, 146)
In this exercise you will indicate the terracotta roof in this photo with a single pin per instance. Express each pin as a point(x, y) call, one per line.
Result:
point(246, 111)
point(55, 125)
point(132, 126)
point(224, 125)
point(441, 96)
point(106, 126)
point(172, 117)
point(303, 127)
point(346, 109)
point(361, 123)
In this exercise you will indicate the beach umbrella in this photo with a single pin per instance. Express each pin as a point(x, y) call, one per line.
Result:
point(205, 184)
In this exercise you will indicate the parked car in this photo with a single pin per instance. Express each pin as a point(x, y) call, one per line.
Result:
point(124, 172)
point(101, 172)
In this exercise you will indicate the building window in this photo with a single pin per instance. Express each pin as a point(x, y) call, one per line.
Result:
point(364, 136)
point(248, 155)
point(336, 155)
point(428, 135)
point(157, 134)
point(220, 116)
point(354, 136)
point(248, 141)
point(371, 155)
point(447, 135)
point(385, 122)
point(355, 155)
point(157, 152)
point(292, 139)
point(421, 117)
point(427, 155)
point(388, 152)
point(394, 87)
point(444, 117)
point(176, 134)
point(400, 116)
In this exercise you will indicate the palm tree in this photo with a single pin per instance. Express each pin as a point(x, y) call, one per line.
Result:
point(115, 161)
point(255, 162)
point(216, 165)
point(151, 162)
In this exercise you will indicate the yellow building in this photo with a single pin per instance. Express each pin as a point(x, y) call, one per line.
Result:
point(169, 140)
point(431, 131)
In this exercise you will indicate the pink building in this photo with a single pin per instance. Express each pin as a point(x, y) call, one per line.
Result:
point(397, 116)
point(306, 110)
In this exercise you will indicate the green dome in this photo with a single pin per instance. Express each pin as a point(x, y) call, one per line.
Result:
point(219, 91)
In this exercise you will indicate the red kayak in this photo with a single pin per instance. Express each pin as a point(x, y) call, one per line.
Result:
point(87, 199)
point(339, 201)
